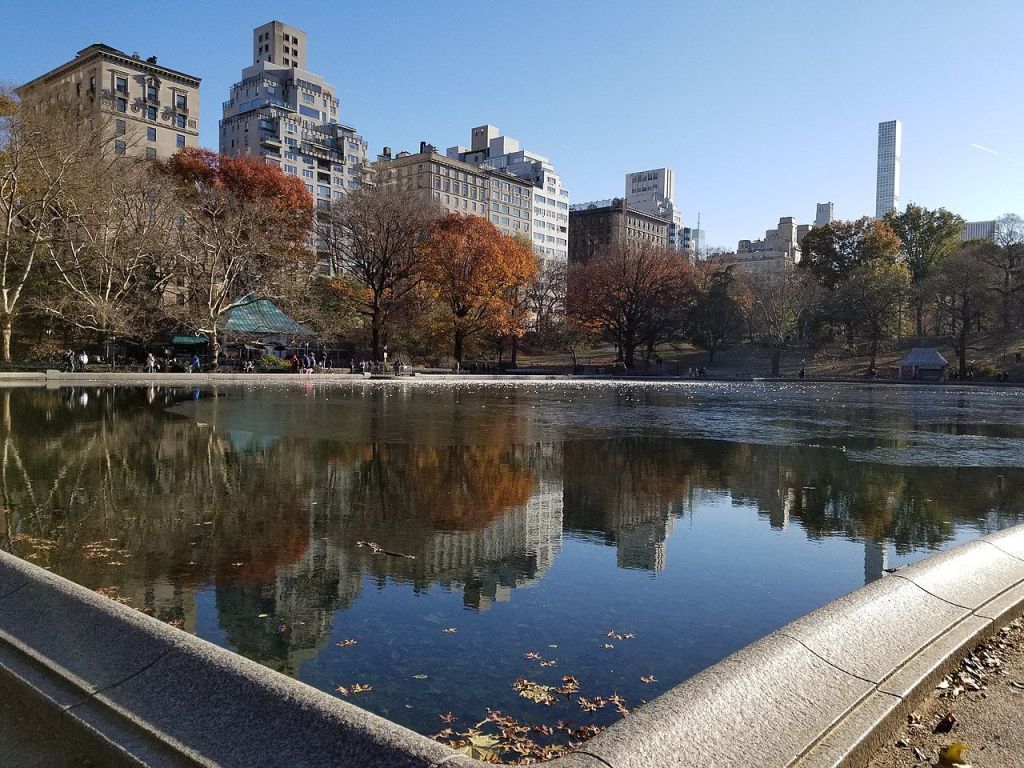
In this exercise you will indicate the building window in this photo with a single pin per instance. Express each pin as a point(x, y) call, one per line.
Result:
point(179, 121)
point(307, 173)
point(151, 153)
point(122, 105)
point(120, 126)
point(323, 191)
point(151, 113)
point(121, 84)
point(151, 92)
point(92, 83)
point(309, 188)
point(181, 101)
point(119, 147)
point(290, 169)
point(180, 140)
point(151, 134)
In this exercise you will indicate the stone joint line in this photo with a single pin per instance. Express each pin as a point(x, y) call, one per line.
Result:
point(830, 663)
point(947, 602)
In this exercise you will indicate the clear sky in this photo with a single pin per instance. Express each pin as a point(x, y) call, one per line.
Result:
point(763, 108)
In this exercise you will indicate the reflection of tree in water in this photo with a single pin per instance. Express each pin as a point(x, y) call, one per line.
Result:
point(628, 491)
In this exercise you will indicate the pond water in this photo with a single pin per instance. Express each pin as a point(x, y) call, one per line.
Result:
point(469, 536)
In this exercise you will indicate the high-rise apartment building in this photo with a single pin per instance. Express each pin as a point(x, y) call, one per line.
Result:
point(603, 223)
point(289, 116)
point(985, 230)
point(825, 214)
point(153, 111)
point(489, 149)
point(890, 145)
point(654, 191)
point(460, 187)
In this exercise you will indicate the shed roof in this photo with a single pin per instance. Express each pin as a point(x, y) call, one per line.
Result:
point(924, 357)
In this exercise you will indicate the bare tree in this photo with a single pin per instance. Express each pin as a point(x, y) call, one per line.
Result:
point(373, 239)
point(960, 283)
point(778, 303)
point(41, 145)
point(110, 235)
point(1007, 260)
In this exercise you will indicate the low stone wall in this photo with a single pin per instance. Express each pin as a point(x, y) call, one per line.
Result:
point(129, 690)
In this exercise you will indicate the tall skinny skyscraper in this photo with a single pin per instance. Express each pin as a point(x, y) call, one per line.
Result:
point(890, 144)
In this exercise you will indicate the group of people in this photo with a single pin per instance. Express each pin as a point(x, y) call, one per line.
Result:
point(76, 361)
point(308, 362)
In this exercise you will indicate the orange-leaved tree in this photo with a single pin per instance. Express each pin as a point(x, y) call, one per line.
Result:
point(242, 234)
point(470, 268)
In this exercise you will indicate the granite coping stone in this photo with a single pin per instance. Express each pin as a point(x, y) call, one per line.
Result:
point(1003, 607)
point(968, 576)
point(847, 739)
point(83, 636)
point(874, 630)
point(202, 697)
point(934, 661)
point(762, 706)
point(1010, 540)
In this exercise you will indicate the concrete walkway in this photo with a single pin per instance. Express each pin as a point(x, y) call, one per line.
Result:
point(990, 721)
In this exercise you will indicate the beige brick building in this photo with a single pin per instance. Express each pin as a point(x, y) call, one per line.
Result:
point(458, 187)
point(153, 110)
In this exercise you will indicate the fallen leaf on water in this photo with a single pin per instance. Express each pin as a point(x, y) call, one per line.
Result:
point(263, 615)
point(354, 689)
point(419, 677)
point(347, 642)
point(481, 746)
point(548, 662)
point(648, 679)
point(448, 718)
point(449, 630)
point(531, 655)
point(609, 646)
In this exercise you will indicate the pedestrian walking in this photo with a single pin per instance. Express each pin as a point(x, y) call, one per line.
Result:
point(150, 366)
point(83, 359)
point(71, 359)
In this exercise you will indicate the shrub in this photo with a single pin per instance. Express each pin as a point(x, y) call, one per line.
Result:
point(271, 361)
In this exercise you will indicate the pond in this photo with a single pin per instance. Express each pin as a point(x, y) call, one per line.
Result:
point(560, 552)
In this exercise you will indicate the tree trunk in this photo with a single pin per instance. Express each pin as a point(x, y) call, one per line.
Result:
point(215, 346)
point(776, 359)
point(628, 351)
point(513, 355)
point(375, 335)
point(965, 325)
point(919, 309)
point(7, 331)
point(457, 352)
point(711, 354)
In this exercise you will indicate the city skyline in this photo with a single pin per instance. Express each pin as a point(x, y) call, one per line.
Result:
point(743, 157)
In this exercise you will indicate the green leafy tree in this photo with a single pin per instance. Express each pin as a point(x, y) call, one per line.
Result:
point(718, 316)
point(870, 298)
point(926, 236)
point(833, 251)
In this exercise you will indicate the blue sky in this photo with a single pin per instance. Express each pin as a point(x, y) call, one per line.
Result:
point(762, 108)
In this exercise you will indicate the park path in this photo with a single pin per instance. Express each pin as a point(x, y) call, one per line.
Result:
point(984, 696)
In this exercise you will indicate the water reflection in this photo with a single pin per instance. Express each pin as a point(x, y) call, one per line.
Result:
point(259, 500)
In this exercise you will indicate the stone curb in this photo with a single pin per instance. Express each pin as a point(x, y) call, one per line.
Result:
point(822, 691)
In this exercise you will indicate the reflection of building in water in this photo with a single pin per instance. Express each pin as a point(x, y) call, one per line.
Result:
point(629, 492)
point(515, 550)
point(164, 600)
point(876, 559)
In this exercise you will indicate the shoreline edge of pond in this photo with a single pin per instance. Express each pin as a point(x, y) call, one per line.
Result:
point(125, 689)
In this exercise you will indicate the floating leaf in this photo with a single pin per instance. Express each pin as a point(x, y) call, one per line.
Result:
point(347, 642)
point(450, 630)
point(448, 718)
point(354, 689)
point(480, 746)
point(419, 677)
point(648, 679)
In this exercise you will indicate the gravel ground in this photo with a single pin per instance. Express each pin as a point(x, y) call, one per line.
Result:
point(980, 705)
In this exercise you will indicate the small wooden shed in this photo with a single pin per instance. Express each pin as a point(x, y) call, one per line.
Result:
point(923, 364)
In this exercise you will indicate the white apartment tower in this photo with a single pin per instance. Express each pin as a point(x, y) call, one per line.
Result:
point(289, 116)
point(890, 144)
point(654, 192)
point(489, 149)
point(824, 215)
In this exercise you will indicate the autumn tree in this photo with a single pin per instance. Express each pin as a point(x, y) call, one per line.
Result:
point(631, 294)
point(926, 236)
point(831, 252)
point(515, 310)
point(41, 145)
point(961, 284)
point(242, 235)
point(717, 319)
point(469, 268)
point(870, 298)
point(373, 238)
